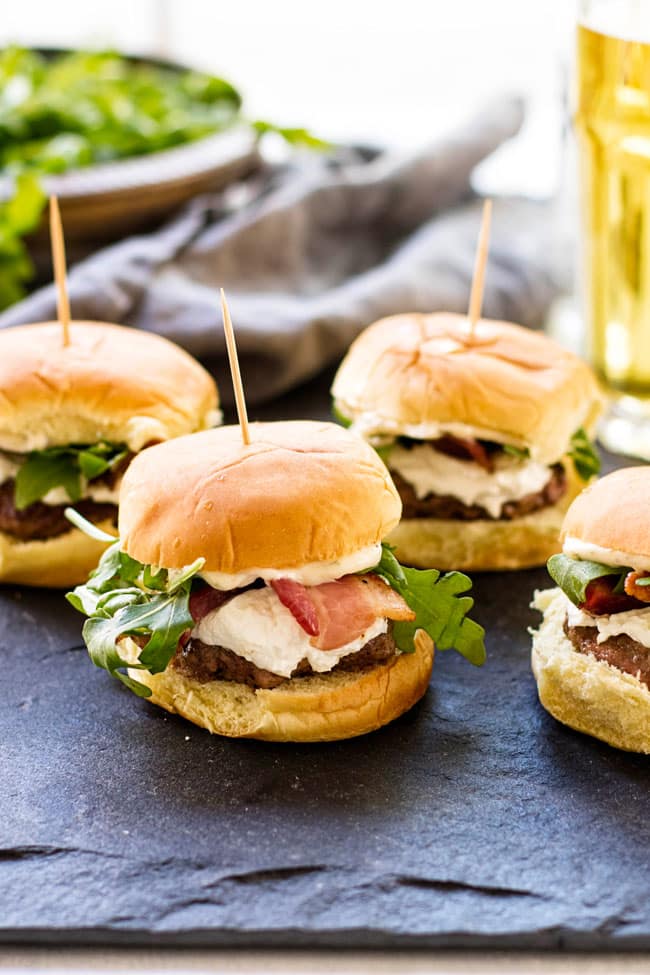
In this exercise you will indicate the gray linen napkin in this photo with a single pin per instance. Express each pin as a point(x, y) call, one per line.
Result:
point(312, 252)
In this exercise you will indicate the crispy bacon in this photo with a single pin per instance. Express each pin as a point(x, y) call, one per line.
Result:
point(601, 600)
point(203, 599)
point(295, 597)
point(465, 448)
point(642, 593)
point(335, 613)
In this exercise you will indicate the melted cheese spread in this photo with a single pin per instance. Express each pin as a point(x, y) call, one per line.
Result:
point(430, 471)
point(255, 625)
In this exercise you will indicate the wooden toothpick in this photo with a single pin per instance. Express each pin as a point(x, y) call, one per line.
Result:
point(58, 259)
point(478, 280)
point(231, 345)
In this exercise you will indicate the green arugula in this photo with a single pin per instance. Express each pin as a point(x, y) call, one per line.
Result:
point(574, 575)
point(64, 467)
point(300, 137)
point(344, 421)
point(440, 608)
point(123, 597)
point(68, 110)
point(521, 453)
point(18, 216)
point(584, 455)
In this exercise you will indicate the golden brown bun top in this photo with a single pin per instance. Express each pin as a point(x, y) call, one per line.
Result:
point(613, 512)
point(110, 383)
point(301, 492)
point(412, 370)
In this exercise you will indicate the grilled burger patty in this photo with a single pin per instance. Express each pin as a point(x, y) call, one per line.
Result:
point(39, 521)
point(437, 506)
point(619, 651)
point(204, 663)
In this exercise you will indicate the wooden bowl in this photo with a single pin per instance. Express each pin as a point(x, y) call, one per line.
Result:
point(107, 201)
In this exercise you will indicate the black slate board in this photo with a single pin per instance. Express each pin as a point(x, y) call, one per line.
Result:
point(474, 820)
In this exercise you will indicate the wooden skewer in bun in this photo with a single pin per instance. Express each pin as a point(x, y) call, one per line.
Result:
point(233, 359)
point(58, 260)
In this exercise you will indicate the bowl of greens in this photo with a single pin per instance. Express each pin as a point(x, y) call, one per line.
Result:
point(122, 141)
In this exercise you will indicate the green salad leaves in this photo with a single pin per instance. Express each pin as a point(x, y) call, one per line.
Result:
point(19, 215)
point(521, 453)
point(65, 467)
point(584, 455)
point(574, 575)
point(73, 109)
point(123, 597)
point(441, 609)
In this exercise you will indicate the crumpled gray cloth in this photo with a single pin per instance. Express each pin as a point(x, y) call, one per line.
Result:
point(312, 252)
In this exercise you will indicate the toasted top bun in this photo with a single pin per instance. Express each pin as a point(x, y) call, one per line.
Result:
point(612, 514)
point(301, 492)
point(422, 375)
point(110, 383)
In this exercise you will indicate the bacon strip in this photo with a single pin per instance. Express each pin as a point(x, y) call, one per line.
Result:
point(601, 600)
point(465, 448)
point(642, 593)
point(295, 597)
point(335, 613)
point(203, 599)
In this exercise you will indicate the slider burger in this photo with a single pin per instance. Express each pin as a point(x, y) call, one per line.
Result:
point(250, 592)
point(71, 418)
point(485, 433)
point(591, 655)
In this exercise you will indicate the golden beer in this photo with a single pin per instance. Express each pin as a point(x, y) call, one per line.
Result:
point(612, 123)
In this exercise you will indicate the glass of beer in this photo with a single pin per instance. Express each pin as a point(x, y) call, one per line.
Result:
point(612, 124)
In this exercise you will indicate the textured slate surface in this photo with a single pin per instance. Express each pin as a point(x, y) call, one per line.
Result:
point(473, 820)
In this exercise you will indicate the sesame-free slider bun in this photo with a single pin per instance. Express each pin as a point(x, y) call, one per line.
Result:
point(109, 383)
point(485, 544)
point(614, 513)
point(57, 562)
point(582, 692)
point(323, 707)
point(300, 492)
point(506, 382)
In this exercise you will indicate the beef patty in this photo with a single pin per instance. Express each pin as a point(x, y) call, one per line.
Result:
point(204, 663)
point(39, 521)
point(446, 506)
point(620, 651)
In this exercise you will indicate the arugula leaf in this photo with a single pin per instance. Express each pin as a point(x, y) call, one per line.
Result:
point(124, 597)
point(87, 527)
point(44, 470)
point(584, 455)
point(155, 580)
point(574, 575)
point(389, 568)
point(521, 453)
point(18, 216)
point(63, 467)
point(440, 608)
point(300, 137)
point(78, 108)
point(383, 450)
point(345, 421)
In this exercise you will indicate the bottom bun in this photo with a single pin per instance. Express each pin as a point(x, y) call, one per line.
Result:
point(57, 563)
point(324, 707)
point(484, 545)
point(584, 693)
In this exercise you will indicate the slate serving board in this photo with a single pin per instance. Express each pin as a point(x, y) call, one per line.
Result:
point(474, 820)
